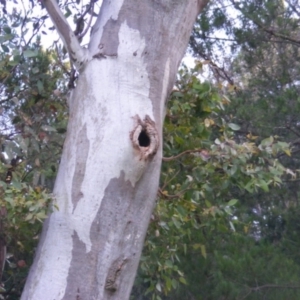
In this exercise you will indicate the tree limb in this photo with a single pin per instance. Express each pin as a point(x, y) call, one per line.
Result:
point(175, 195)
point(78, 55)
point(181, 154)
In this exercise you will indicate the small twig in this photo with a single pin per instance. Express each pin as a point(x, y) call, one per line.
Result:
point(181, 154)
point(268, 286)
point(250, 291)
point(293, 130)
point(167, 182)
point(35, 32)
point(175, 195)
point(91, 7)
point(293, 180)
point(293, 8)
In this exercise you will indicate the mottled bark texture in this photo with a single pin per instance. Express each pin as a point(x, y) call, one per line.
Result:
point(108, 177)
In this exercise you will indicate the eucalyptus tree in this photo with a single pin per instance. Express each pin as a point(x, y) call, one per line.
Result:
point(109, 171)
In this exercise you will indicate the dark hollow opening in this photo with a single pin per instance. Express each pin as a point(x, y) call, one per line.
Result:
point(144, 140)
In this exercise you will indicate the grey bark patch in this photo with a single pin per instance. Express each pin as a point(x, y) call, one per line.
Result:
point(144, 16)
point(122, 211)
point(82, 287)
point(82, 150)
point(110, 39)
point(117, 238)
point(148, 17)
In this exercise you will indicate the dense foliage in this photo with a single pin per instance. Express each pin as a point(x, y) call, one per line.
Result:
point(206, 204)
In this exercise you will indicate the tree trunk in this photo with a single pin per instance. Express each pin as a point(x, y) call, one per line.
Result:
point(109, 173)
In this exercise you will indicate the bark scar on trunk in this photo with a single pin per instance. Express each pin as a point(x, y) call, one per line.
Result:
point(111, 283)
point(144, 137)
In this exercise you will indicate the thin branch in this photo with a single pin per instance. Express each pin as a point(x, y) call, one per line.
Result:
point(60, 63)
point(276, 34)
point(218, 72)
point(276, 286)
point(78, 54)
point(293, 130)
point(23, 23)
point(36, 30)
point(292, 180)
point(167, 182)
point(175, 195)
point(234, 40)
point(293, 8)
point(90, 8)
point(249, 292)
point(267, 30)
point(268, 286)
point(181, 154)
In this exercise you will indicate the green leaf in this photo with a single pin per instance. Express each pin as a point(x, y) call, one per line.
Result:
point(264, 185)
point(181, 211)
point(35, 70)
point(40, 86)
point(3, 185)
point(176, 223)
point(174, 283)
point(234, 126)
point(5, 48)
point(168, 284)
point(203, 251)
point(232, 202)
point(268, 141)
point(68, 12)
point(6, 37)
point(29, 217)
point(7, 29)
point(207, 203)
point(182, 280)
point(169, 264)
point(158, 286)
point(30, 53)
point(9, 200)
point(232, 226)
